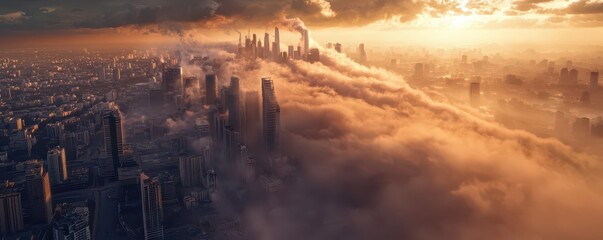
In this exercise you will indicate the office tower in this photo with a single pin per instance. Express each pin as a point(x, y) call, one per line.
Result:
point(573, 77)
point(271, 118)
point(234, 104)
point(156, 98)
point(208, 161)
point(54, 131)
point(298, 53)
point(314, 55)
point(290, 51)
point(71, 223)
point(250, 171)
point(252, 130)
point(116, 74)
point(152, 208)
point(101, 74)
point(230, 143)
point(306, 43)
point(581, 127)
point(276, 49)
point(113, 138)
point(211, 89)
point(219, 121)
point(172, 81)
point(191, 171)
point(419, 74)
point(11, 211)
point(474, 93)
point(361, 54)
point(168, 188)
point(57, 165)
point(464, 59)
point(594, 80)
point(70, 146)
point(338, 47)
point(39, 198)
point(266, 45)
point(564, 76)
point(260, 50)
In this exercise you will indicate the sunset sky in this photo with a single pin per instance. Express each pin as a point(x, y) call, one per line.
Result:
point(457, 21)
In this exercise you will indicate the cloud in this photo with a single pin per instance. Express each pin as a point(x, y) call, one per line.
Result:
point(13, 18)
point(377, 159)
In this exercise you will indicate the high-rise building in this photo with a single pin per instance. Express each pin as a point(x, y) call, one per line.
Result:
point(54, 131)
point(581, 127)
point(116, 74)
point(243, 157)
point(39, 197)
point(266, 45)
point(313, 55)
point(419, 73)
point(211, 90)
point(564, 76)
point(250, 174)
point(191, 171)
point(152, 208)
point(11, 211)
point(101, 74)
point(338, 47)
point(306, 43)
point(71, 223)
point(276, 49)
point(231, 141)
point(573, 77)
point(474, 93)
point(561, 123)
point(57, 165)
point(234, 104)
point(361, 54)
point(290, 51)
point(172, 81)
point(594, 80)
point(208, 161)
point(113, 138)
point(212, 181)
point(271, 118)
point(69, 143)
point(252, 130)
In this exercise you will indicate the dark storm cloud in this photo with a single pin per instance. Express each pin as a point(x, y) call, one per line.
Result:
point(585, 7)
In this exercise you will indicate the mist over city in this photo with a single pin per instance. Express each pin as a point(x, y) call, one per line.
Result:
point(301, 119)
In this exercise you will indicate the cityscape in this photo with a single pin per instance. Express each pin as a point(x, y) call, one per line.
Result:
point(313, 119)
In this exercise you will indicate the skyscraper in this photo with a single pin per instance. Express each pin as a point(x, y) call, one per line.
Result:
point(271, 118)
point(211, 89)
point(252, 130)
point(152, 209)
point(172, 81)
point(276, 49)
point(266, 45)
point(306, 43)
point(419, 71)
point(191, 171)
point(290, 51)
point(57, 165)
point(573, 77)
point(116, 74)
point(361, 54)
point(39, 197)
point(69, 143)
point(338, 47)
point(594, 80)
point(474, 93)
point(234, 104)
point(250, 171)
point(113, 138)
point(72, 223)
point(242, 161)
point(11, 211)
point(564, 76)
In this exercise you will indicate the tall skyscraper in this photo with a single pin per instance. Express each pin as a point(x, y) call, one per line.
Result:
point(573, 76)
point(564, 76)
point(252, 130)
point(208, 161)
point(361, 54)
point(313, 55)
point(266, 45)
point(172, 81)
point(250, 174)
point(276, 49)
point(69, 143)
point(338, 47)
point(191, 171)
point(474, 93)
point(306, 43)
point(242, 161)
point(234, 104)
point(57, 165)
point(594, 80)
point(113, 138)
point(271, 118)
point(116, 74)
point(11, 211)
point(290, 51)
point(211, 89)
point(152, 208)
point(39, 197)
